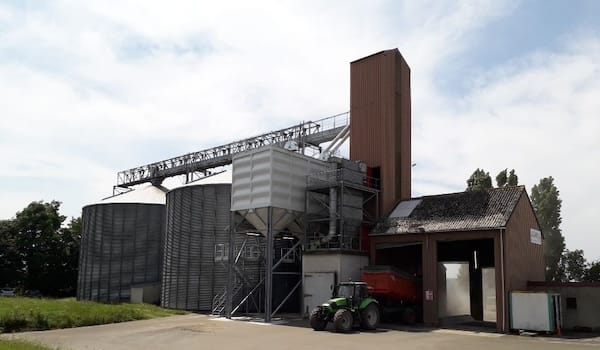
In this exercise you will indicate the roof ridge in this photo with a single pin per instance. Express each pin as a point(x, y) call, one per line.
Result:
point(522, 187)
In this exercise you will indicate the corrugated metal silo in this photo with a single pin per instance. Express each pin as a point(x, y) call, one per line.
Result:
point(121, 245)
point(196, 247)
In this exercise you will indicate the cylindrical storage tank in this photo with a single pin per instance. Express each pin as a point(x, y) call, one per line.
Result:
point(121, 245)
point(196, 246)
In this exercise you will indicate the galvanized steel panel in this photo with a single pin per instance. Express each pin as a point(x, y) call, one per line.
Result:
point(272, 177)
point(197, 235)
point(121, 245)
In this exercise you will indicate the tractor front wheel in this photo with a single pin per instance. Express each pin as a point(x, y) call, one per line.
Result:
point(342, 320)
point(316, 321)
point(369, 317)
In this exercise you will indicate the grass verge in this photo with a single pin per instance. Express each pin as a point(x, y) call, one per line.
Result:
point(23, 314)
point(6, 344)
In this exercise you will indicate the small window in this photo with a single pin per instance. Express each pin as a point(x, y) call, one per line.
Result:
point(571, 303)
point(252, 252)
point(291, 258)
point(221, 252)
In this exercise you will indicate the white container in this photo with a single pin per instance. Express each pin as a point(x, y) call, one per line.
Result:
point(535, 311)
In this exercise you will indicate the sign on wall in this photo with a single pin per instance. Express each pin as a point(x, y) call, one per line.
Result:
point(535, 236)
point(429, 295)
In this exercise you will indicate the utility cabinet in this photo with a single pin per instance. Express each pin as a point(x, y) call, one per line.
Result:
point(535, 311)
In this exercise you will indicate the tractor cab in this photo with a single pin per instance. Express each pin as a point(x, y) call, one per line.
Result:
point(353, 291)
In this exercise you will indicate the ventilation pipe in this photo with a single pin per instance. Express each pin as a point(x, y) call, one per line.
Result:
point(335, 143)
point(332, 215)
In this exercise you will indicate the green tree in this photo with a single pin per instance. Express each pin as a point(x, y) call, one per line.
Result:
point(502, 178)
point(47, 251)
point(513, 179)
point(68, 249)
point(11, 265)
point(572, 266)
point(479, 180)
point(592, 274)
point(547, 206)
point(37, 229)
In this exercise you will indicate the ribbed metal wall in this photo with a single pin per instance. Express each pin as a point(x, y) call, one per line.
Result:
point(197, 230)
point(381, 118)
point(121, 246)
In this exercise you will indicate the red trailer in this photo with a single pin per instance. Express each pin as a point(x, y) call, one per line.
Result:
point(399, 293)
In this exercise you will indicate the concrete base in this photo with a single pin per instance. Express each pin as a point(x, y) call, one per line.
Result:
point(146, 293)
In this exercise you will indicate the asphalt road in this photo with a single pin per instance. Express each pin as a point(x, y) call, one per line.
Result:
point(203, 332)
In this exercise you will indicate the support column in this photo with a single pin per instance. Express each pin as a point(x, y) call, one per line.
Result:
point(269, 266)
point(430, 275)
point(230, 260)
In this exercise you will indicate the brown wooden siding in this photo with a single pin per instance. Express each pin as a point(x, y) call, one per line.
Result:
point(380, 122)
point(524, 261)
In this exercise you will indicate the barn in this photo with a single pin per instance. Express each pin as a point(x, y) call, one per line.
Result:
point(494, 233)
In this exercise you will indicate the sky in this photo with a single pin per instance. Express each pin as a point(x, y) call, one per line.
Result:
point(90, 88)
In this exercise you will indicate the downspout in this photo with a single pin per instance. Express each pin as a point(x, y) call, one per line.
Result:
point(503, 286)
point(332, 215)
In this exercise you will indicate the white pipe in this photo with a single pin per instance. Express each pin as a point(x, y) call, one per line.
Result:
point(334, 145)
point(332, 215)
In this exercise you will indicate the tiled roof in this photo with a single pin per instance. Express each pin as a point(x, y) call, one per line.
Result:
point(463, 211)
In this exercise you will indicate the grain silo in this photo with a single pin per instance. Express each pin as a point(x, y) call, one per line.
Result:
point(121, 247)
point(196, 250)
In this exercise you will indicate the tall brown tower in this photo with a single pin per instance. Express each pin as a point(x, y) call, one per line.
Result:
point(380, 122)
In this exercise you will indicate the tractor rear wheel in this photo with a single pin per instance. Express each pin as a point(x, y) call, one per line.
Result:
point(316, 322)
point(369, 317)
point(342, 320)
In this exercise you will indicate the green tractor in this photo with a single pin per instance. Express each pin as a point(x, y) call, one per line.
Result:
point(350, 305)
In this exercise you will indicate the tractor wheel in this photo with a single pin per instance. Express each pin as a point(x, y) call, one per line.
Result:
point(316, 322)
point(342, 320)
point(409, 316)
point(369, 317)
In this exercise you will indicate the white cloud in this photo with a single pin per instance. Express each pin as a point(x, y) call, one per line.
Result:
point(540, 117)
point(95, 88)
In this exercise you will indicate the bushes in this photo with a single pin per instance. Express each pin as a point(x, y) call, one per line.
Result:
point(13, 322)
point(19, 314)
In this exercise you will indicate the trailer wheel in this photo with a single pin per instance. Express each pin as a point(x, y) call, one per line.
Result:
point(369, 317)
point(316, 322)
point(409, 316)
point(342, 320)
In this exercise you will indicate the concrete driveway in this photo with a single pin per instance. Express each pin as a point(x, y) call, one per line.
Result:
point(203, 332)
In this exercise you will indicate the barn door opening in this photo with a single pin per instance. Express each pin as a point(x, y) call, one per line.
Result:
point(454, 289)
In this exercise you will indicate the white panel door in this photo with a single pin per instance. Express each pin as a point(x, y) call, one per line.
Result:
point(318, 288)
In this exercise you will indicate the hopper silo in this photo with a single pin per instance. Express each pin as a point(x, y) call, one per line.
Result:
point(121, 247)
point(196, 247)
point(269, 198)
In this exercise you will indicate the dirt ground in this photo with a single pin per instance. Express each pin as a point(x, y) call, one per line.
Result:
point(204, 332)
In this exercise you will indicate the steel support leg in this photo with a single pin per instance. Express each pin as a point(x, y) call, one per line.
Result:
point(269, 266)
point(229, 295)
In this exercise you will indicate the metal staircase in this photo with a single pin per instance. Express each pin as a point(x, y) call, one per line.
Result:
point(220, 299)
